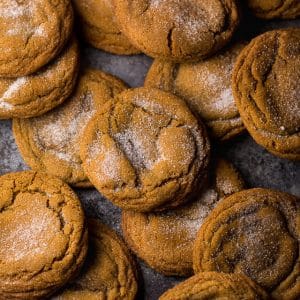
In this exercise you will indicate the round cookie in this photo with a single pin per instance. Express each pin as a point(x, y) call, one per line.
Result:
point(266, 88)
point(35, 94)
point(32, 33)
point(213, 285)
point(100, 28)
point(109, 271)
point(271, 9)
point(165, 240)
point(206, 87)
point(178, 30)
point(145, 150)
point(50, 142)
point(255, 232)
point(43, 238)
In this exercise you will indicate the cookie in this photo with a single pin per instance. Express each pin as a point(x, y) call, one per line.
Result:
point(266, 88)
point(31, 34)
point(99, 27)
point(145, 150)
point(213, 285)
point(50, 142)
point(178, 30)
point(255, 232)
point(165, 240)
point(35, 94)
point(270, 9)
point(108, 273)
point(206, 87)
point(43, 238)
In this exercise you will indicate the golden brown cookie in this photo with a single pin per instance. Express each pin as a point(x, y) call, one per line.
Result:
point(271, 9)
point(145, 150)
point(50, 142)
point(32, 33)
point(43, 238)
point(178, 30)
point(109, 271)
point(213, 286)
point(165, 240)
point(255, 232)
point(206, 87)
point(35, 94)
point(266, 88)
point(100, 28)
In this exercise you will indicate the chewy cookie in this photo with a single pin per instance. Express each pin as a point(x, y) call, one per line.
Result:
point(35, 94)
point(50, 142)
point(178, 30)
point(43, 239)
point(165, 240)
point(213, 285)
point(32, 33)
point(266, 87)
point(255, 232)
point(270, 9)
point(206, 87)
point(100, 28)
point(145, 150)
point(108, 273)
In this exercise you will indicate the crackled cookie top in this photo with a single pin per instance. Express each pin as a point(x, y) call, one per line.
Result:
point(179, 30)
point(213, 285)
point(165, 240)
point(145, 150)
point(270, 9)
point(266, 86)
point(35, 94)
point(42, 236)
point(108, 273)
point(206, 87)
point(32, 33)
point(255, 232)
point(51, 142)
point(100, 28)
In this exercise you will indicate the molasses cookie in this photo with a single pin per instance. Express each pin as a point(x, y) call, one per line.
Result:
point(178, 30)
point(266, 88)
point(213, 285)
point(109, 271)
point(255, 232)
point(31, 34)
point(206, 87)
point(35, 94)
point(145, 150)
point(270, 9)
point(100, 28)
point(43, 239)
point(165, 240)
point(50, 142)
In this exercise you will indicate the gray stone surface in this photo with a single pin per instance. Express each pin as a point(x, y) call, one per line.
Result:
point(258, 167)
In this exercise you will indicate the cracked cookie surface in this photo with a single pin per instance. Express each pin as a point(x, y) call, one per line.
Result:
point(145, 150)
point(213, 285)
point(108, 273)
point(178, 30)
point(255, 232)
point(206, 87)
point(50, 142)
point(165, 240)
point(35, 94)
point(266, 88)
point(32, 33)
point(100, 28)
point(43, 239)
point(271, 9)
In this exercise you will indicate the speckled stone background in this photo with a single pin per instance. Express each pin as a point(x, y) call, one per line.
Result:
point(258, 167)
